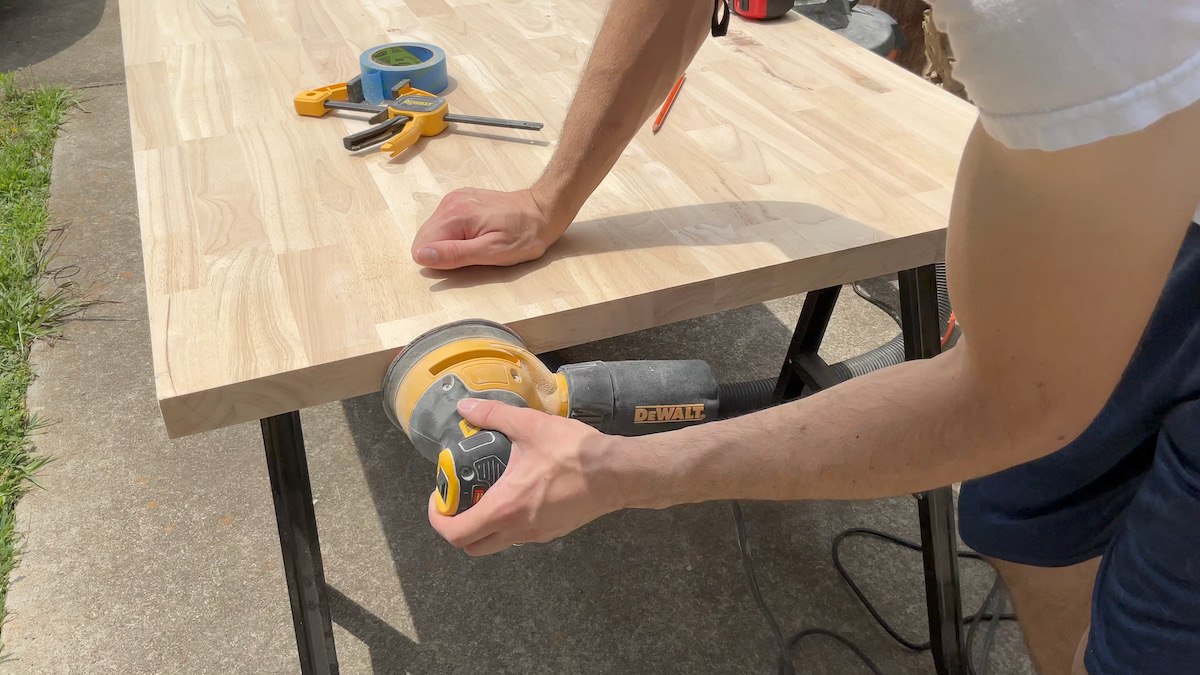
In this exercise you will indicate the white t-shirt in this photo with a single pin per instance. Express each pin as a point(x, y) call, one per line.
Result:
point(1052, 74)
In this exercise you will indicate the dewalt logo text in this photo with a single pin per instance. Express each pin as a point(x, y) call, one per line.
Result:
point(649, 414)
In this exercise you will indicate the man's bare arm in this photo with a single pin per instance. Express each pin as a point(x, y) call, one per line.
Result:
point(642, 48)
point(1055, 263)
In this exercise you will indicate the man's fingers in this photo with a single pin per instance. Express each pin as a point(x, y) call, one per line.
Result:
point(464, 529)
point(490, 544)
point(480, 521)
point(426, 256)
point(449, 254)
point(475, 531)
point(516, 423)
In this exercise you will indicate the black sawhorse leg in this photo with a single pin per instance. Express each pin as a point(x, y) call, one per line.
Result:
point(297, 521)
point(805, 371)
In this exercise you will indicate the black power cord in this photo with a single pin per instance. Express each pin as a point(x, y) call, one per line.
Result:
point(991, 610)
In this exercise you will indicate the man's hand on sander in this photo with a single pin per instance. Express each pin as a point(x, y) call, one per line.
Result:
point(486, 227)
point(558, 479)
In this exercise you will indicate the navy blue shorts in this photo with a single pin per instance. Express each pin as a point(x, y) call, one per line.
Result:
point(1127, 489)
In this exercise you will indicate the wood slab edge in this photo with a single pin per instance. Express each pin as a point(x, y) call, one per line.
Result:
point(206, 410)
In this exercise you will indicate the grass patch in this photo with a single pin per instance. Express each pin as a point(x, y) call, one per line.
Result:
point(29, 308)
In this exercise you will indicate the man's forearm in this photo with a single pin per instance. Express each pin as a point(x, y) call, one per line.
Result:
point(1037, 362)
point(641, 50)
point(912, 427)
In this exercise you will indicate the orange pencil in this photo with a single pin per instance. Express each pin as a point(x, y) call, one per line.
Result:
point(662, 114)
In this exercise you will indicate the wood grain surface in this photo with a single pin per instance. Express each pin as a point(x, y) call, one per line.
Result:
point(277, 264)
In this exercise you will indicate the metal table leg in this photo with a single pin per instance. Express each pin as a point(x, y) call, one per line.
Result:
point(804, 371)
point(297, 521)
point(939, 541)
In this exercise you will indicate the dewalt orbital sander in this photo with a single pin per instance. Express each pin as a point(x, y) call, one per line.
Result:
point(485, 360)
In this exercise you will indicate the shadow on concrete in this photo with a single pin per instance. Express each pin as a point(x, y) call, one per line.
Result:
point(32, 31)
point(602, 599)
point(389, 649)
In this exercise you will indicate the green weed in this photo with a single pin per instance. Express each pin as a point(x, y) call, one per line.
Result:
point(30, 307)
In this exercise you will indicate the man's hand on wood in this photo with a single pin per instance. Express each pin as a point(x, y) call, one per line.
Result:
point(485, 227)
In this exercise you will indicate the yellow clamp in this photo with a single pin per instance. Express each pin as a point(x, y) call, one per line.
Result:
point(426, 113)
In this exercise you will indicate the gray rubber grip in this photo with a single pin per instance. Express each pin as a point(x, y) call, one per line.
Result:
point(632, 398)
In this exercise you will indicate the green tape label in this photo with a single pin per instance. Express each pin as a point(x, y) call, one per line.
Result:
point(395, 56)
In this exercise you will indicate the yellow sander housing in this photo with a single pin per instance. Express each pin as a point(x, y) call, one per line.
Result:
point(482, 359)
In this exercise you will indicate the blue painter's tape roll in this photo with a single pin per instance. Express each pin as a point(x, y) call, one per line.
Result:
point(386, 65)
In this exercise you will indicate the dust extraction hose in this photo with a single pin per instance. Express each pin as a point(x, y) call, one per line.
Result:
point(892, 352)
point(739, 398)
